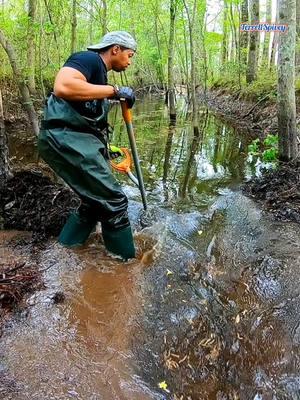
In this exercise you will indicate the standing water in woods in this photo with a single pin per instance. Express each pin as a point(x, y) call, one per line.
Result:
point(209, 307)
point(207, 311)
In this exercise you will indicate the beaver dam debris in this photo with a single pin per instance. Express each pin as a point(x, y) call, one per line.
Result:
point(16, 279)
point(31, 201)
point(279, 191)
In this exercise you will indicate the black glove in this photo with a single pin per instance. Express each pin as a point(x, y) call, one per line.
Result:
point(125, 93)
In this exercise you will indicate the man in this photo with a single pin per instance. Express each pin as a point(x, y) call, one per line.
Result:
point(73, 141)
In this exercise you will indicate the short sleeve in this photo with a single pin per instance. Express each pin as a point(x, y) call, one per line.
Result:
point(85, 62)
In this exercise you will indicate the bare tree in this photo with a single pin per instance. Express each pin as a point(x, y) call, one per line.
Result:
point(171, 88)
point(275, 38)
point(224, 52)
point(254, 43)
point(104, 17)
point(265, 55)
point(244, 36)
point(191, 25)
point(298, 38)
point(74, 26)
point(20, 80)
point(4, 165)
point(31, 46)
point(286, 107)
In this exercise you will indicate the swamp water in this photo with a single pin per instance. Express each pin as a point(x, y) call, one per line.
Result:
point(210, 310)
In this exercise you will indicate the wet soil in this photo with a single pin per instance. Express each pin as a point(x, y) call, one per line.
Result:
point(17, 279)
point(278, 191)
point(31, 201)
point(259, 116)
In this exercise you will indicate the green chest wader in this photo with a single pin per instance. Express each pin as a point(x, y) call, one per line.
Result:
point(75, 148)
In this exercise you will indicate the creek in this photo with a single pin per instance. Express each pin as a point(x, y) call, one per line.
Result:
point(208, 311)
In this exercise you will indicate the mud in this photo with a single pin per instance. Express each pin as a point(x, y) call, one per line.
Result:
point(258, 117)
point(31, 201)
point(18, 276)
point(278, 191)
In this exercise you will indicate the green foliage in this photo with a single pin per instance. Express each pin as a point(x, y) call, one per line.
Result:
point(266, 84)
point(253, 147)
point(267, 150)
point(297, 85)
point(227, 77)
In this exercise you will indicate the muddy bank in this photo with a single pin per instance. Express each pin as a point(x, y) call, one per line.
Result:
point(31, 201)
point(278, 191)
point(259, 116)
point(19, 276)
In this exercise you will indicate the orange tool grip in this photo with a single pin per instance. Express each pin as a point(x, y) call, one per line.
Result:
point(125, 165)
point(126, 112)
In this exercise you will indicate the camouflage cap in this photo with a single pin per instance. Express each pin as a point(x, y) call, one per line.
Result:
point(121, 38)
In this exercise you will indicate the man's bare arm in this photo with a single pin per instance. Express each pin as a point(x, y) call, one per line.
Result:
point(71, 84)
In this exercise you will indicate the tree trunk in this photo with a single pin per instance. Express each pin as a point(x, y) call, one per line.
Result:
point(4, 164)
point(286, 107)
point(74, 26)
point(171, 89)
point(53, 30)
point(234, 42)
point(254, 43)
point(191, 20)
point(244, 35)
point(224, 53)
point(275, 38)
point(265, 55)
point(91, 21)
point(31, 44)
point(104, 18)
point(159, 62)
point(298, 38)
point(20, 79)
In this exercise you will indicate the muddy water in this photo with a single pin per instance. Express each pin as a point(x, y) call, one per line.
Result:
point(211, 306)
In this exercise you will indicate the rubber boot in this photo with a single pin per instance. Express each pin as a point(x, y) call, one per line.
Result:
point(76, 230)
point(119, 242)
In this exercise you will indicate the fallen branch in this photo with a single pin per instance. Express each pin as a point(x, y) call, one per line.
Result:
point(255, 105)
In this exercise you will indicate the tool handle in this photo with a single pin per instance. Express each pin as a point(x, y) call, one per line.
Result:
point(126, 112)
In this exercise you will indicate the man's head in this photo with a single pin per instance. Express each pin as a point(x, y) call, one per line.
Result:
point(116, 49)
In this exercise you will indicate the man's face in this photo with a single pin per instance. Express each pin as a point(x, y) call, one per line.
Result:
point(121, 59)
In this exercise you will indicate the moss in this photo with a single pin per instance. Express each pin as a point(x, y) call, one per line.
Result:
point(266, 84)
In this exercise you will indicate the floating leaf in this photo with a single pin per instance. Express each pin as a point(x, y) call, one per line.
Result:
point(163, 385)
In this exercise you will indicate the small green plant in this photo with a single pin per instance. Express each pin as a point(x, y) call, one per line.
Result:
point(253, 147)
point(267, 150)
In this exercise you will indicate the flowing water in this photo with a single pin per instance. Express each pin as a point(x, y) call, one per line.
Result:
point(209, 310)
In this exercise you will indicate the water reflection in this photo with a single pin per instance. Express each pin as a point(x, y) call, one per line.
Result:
point(178, 164)
point(185, 169)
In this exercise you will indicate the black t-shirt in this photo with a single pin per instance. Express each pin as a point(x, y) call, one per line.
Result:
point(91, 65)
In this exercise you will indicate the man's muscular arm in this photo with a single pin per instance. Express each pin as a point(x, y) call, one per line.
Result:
point(71, 84)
